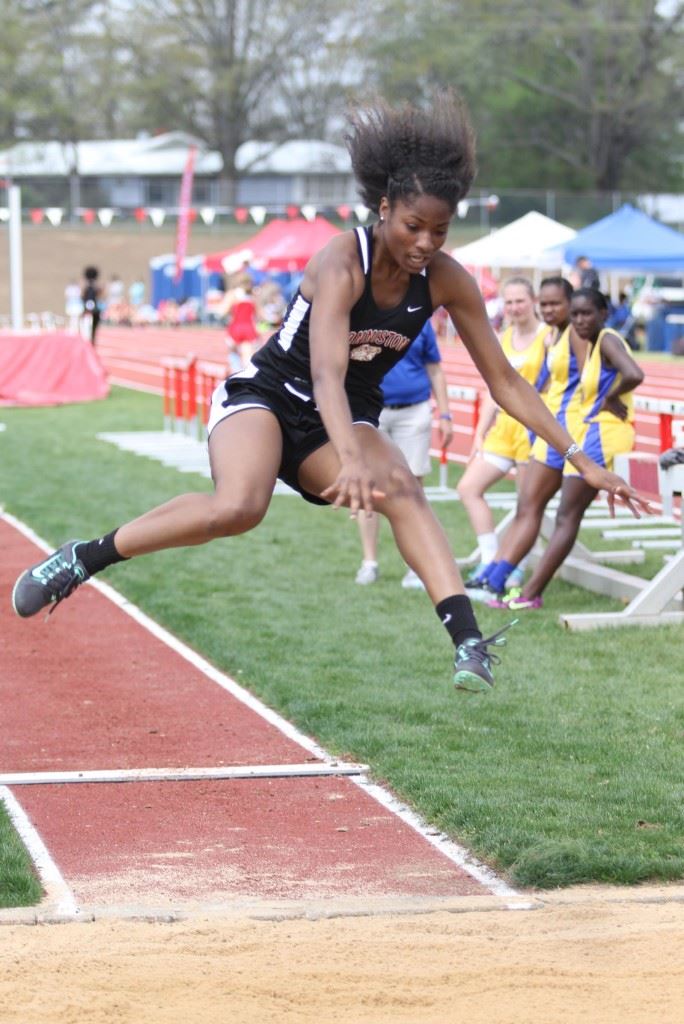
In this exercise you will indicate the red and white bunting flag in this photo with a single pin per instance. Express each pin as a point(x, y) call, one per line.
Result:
point(309, 211)
point(105, 215)
point(183, 229)
point(54, 214)
point(258, 214)
point(361, 212)
point(208, 215)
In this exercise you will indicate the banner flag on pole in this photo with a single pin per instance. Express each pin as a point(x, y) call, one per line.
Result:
point(184, 213)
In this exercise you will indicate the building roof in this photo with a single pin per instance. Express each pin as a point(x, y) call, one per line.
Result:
point(166, 154)
point(310, 156)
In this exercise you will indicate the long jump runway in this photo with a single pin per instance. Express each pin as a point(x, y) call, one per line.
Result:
point(145, 781)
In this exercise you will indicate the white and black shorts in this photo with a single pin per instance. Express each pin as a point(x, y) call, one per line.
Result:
point(294, 408)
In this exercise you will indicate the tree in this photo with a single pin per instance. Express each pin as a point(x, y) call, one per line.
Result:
point(584, 91)
point(223, 68)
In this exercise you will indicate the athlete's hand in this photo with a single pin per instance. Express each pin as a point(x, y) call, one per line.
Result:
point(354, 487)
point(446, 430)
point(617, 490)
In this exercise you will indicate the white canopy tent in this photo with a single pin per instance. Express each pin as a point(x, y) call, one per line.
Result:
point(534, 241)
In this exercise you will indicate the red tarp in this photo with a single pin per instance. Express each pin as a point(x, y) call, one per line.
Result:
point(49, 369)
point(281, 245)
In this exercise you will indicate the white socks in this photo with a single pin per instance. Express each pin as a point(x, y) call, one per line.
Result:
point(488, 544)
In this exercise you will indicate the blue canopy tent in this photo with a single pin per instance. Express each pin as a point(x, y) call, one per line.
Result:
point(629, 240)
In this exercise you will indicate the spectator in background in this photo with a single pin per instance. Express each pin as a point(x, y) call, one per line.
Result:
point(604, 427)
point(622, 321)
point(585, 274)
point(115, 290)
point(73, 305)
point(271, 307)
point(136, 294)
point(501, 443)
point(242, 333)
point(91, 298)
point(406, 418)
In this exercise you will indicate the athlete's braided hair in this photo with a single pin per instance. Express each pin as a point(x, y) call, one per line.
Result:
point(596, 297)
point(402, 152)
point(558, 282)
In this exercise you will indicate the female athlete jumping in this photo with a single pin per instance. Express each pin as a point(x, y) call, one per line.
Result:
point(306, 408)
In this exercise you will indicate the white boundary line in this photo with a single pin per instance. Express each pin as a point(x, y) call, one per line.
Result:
point(256, 771)
point(449, 849)
point(57, 891)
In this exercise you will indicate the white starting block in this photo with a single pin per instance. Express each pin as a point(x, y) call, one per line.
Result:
point(657, 602)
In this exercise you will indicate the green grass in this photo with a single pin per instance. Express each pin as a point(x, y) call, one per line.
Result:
point(569, 771)
point(19, 886)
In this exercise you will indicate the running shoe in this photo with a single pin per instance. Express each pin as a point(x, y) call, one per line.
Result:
point(501, 600)
point(515, 579)
point(368, 573)
point(484, 593)
point(525, 604)
point(474, 578)
point(49, 582)
point(412, 581)
point(473, 662)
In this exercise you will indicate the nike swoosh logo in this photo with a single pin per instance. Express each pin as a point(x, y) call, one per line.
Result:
point(413, 309)
point(446, 619)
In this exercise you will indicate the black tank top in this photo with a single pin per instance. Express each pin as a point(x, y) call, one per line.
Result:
point(378, 338)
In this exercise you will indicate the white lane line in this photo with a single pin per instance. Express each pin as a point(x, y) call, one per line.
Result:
point(61, 899)
point(449, 849)
point(256, 771)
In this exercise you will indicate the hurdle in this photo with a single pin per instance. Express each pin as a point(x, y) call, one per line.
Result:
point(179, 393)
point(656, 602)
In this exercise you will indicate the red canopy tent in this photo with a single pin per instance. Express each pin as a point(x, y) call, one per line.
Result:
point(281, 245)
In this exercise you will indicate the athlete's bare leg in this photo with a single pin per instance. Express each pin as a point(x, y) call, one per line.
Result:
point(576, 496)
point(369, 527)
point(245, 451)
point(538, 485)
point(419, 535)
point(478, 478)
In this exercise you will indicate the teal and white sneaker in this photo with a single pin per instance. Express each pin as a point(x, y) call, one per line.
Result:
point(474, 577)
point(516, 578)
point(473, 662)
point(49, 582)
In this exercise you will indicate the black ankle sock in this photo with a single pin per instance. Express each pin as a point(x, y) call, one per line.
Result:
point(458, 618)
point(97, 554)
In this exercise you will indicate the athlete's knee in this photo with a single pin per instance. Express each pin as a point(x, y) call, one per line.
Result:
point(229, 517)
point(468, 489)
point(402, 484)
point(568, 519)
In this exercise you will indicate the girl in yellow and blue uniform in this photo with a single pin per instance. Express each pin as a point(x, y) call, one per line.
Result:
point(501, 443)
point(565, 352)
point(605, 427)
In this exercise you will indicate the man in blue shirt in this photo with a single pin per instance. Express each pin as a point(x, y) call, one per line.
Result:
point(407, 419)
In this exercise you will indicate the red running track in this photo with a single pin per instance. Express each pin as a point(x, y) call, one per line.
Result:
point(93, 688)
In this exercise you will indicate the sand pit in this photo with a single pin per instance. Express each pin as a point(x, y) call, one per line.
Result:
point(585, 955)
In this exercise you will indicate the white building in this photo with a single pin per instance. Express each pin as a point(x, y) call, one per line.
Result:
point(146, 172)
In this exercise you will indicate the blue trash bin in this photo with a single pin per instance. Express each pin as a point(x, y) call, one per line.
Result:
point(674, 326)
point(655, 331)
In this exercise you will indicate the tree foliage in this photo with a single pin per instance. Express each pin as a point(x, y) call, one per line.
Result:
point(578, 93)
point(589, 91)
